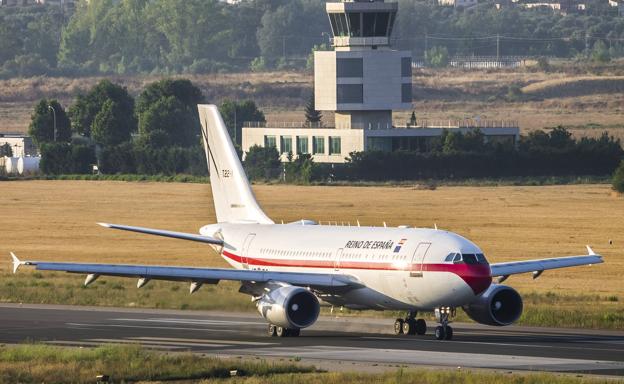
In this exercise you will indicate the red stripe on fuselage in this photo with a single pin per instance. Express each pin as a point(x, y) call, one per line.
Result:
point(477, 276)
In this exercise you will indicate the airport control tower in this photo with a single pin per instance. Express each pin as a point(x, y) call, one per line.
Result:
point(362, 80)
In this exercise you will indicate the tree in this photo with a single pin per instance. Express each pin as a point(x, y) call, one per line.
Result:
point(235, 113)
point(262, 162)
point(437, 57)
point(86, 107)
point(413, 121)
point(108, 127)
point(170, 106)
point(618, 178)
point(600, 52)
point(6, 150)
point(42, 123)
point(311, 114)
point(167, 122)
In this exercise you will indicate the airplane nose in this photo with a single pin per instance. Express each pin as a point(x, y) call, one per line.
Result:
point(478, 277)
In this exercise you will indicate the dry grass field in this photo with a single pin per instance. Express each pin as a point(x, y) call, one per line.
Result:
point(55, 220)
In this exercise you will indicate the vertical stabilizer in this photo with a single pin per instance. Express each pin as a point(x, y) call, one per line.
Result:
point(233, 199)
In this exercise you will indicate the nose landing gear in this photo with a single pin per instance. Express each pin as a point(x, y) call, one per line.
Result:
point(444, 331)
point(410, 325)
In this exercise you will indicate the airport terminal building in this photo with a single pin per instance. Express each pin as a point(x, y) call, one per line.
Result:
point(362, 80)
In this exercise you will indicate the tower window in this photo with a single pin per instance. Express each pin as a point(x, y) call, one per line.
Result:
point(349, 93)
point(286, 144)
point(334, 145)
point(269, 141)
point(406, 93)
point(349, 67)
point(318, 145)
point(302, 144)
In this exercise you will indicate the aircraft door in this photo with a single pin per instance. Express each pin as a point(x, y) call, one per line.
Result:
point(245, 253)
point(337, 259)
point(418, 259)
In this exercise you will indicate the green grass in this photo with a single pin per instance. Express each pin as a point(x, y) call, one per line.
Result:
point(544, 309)
point(39, 363)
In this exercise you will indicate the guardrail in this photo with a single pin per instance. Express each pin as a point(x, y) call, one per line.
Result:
point(419, 124)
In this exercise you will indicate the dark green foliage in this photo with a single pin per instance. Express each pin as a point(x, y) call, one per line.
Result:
point(300, 170)
point(109, 126)
point(235, 113)
point(142, 159)
point(618, 178)
point(63, 158)
point(55, 158)
point(167, 110)
point(6, 150)
point(88, 106)
point(311, 114)
point(42, 124)
point(468, 156)
point(262, 163)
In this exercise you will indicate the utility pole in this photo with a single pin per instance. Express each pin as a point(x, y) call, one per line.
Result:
point(54, 114)
point(235, 125)
point(498, 47)
point(284, 47)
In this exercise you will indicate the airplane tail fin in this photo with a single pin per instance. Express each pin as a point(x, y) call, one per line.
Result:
point(233, 198)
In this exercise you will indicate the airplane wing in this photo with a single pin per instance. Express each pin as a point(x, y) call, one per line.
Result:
point(540, 265)
point(196, 276)
point(161, 232)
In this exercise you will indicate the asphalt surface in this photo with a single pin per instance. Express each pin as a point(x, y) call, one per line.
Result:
point(334, 342)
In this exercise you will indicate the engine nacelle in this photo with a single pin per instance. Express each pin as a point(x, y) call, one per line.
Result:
point(498, 305)
point(289, 307)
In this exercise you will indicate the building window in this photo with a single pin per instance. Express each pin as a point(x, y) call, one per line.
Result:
point(302, 144)
point(353, 67)
point(349, 93)
point(406, 67)
point(286, 144)
point(406, 92)
point(355, 26)
point(318, 145)
point(339, 25)
point(375, 24)
point(269, 141)
point(334, 145)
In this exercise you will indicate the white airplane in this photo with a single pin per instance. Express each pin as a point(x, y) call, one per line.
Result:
point(289, 269)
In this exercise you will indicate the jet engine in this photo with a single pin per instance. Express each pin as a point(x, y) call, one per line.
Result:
point(498, 305)
point(289, 307)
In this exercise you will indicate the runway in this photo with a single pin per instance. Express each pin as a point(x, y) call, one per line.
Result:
point(334, 342)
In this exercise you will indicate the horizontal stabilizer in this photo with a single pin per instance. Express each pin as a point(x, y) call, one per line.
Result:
point(160, 232)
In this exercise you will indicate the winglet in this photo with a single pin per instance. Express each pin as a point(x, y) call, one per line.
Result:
point(16, 262)
point(590, 251)
point(106, 225)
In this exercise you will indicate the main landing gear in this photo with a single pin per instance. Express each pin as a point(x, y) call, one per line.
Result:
point(444, 331)
point(410, 325)
point(277, 331)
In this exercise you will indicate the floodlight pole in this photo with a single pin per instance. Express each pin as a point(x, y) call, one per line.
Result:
point(54, 114)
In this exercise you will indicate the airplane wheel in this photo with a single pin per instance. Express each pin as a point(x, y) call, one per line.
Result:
point(439, 333)
point(294, 332)
point(281, 331)
point(271, 330)
point(409, 327)
point(421, 327)
point(448, 333)
point(398, 327)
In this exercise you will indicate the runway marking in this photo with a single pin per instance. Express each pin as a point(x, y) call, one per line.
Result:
point(97, 344)
point(191, 321)
point(503, 344)
point(435, 358)
point(163, 343)
point(230, 342)
point(94, 325)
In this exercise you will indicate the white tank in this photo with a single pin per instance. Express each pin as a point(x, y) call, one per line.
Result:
point(2, 161)
point(28, 165)
point(10, 165)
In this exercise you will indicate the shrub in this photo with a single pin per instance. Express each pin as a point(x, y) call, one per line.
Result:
point(618, 178)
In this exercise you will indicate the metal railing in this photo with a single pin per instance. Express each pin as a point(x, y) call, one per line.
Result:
point(419, 124)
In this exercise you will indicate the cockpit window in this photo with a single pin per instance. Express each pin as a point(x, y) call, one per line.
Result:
point(450, 257)
point(469, 258)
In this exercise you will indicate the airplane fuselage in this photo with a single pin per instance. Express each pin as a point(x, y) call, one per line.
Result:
point(401, 268)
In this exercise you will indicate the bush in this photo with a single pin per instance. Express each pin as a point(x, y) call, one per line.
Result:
point(618, 178)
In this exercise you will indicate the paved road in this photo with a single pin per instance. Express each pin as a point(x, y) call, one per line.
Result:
point(330, 342)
